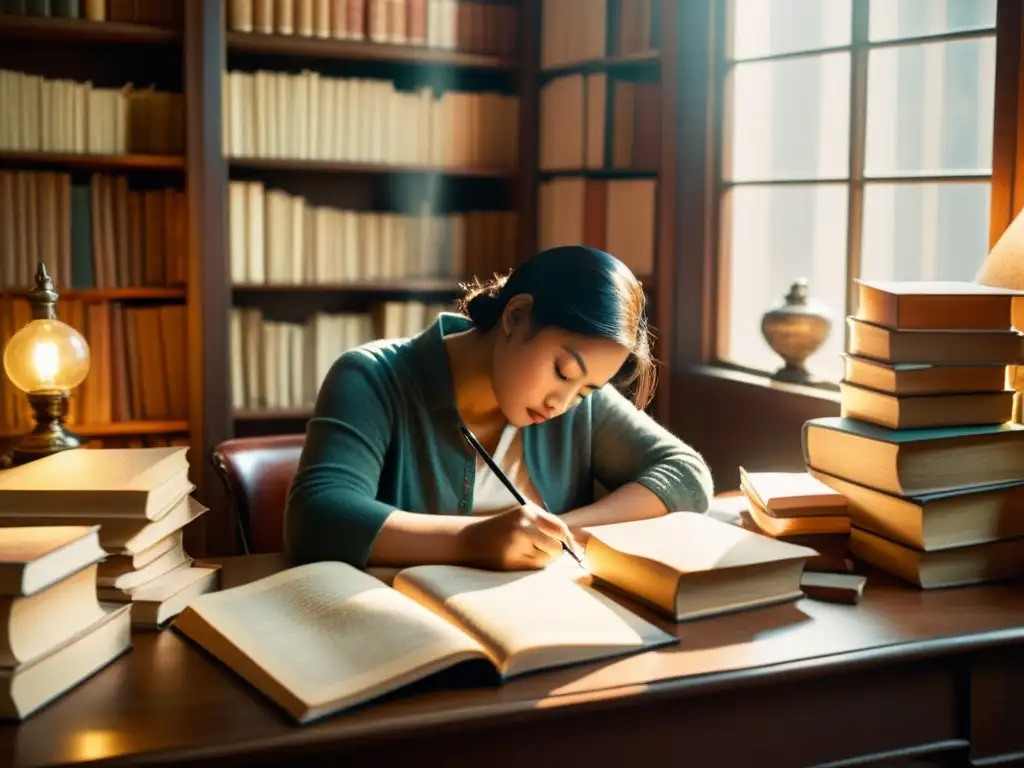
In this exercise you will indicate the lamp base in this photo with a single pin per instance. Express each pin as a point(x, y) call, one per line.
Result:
point(49, 436)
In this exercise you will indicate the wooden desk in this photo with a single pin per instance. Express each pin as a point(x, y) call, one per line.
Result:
point(795, 685)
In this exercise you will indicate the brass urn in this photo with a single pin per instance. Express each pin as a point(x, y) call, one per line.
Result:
point(795, 330)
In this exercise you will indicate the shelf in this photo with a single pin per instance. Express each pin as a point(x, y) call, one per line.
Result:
point(116, 428)
point(81, 30)
point(599, 173)
point(411, 285)
point(284, 414)
point(611, 64)
point(111, 294)
point(96, 162)
point(348, 50)
point(380, 169)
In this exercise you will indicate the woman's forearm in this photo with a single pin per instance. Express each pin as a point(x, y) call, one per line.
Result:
point(409, 538)
point(630, 502)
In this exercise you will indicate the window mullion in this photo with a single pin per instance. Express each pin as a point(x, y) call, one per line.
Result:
point(858, 122)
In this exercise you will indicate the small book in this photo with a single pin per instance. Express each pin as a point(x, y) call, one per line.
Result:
point(35, 557)
point(888, 345)
point(977, 564)
point(845, 588)
point(911, 462)
point(157, 602)
point(923, 378)
point(28, 687)
point(935, 305)
point(687, 565)
point(934, 521)
point(124, 535)
point(792, 494)
point(923, 411)
point(324, 637)
point(803, 525)
point(101, 482)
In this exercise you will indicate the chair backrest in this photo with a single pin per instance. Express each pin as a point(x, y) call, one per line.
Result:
point(257, 472)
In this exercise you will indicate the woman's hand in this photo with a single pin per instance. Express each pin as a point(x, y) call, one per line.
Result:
point(523, 538)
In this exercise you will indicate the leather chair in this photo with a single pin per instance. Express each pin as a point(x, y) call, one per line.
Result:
point(256, 472)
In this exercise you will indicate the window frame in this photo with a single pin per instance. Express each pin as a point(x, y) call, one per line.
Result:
point(1007, 34)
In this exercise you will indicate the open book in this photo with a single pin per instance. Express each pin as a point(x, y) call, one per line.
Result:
point(324, 637)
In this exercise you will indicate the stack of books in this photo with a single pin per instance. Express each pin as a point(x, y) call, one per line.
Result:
point(141, 500)
point(56, 632)
point(925, 450)
point(799, 509)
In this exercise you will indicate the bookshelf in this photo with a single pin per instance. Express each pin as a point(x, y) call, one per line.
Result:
point(457, 181)
point(605, 172)
point(102, 201)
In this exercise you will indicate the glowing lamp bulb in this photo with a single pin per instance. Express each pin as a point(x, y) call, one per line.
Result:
point(47, 357)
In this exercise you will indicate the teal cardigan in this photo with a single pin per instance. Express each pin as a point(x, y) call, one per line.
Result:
point(385, 436)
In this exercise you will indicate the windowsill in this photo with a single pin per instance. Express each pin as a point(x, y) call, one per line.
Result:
point(764, 382)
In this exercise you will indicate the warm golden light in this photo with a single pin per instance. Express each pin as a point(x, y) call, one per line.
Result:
point(47, 356)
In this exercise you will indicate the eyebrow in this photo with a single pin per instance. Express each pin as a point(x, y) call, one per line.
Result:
point(578, 357)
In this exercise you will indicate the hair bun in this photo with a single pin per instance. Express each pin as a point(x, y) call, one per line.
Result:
point(484, 310)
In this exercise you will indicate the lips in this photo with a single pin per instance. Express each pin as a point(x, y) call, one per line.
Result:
point(537, 418)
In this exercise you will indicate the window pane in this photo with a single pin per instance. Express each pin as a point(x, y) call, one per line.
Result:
point(788, 119)
point(772, 236)
point(894, 19)
point(930, 108)
point(924, 231)
point(767, 27)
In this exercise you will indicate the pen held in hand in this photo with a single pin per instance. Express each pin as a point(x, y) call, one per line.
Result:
point(508, 483)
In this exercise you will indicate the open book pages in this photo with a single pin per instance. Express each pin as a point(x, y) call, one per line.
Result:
point(687, 565)
point(324, 637)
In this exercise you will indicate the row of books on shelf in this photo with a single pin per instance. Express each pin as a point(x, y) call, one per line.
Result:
point(572, 124)
point(309, 116)
point(457, 25)
point(99, 234)
point(44, 114)
point(926, 454)
point(281, 365)
point(577, 30)
point(280, 238)
point(153, 13)
point(91, 546)
point(138, 366)
point(616, 215)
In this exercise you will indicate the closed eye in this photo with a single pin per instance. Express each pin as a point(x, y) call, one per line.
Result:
point(563, 377)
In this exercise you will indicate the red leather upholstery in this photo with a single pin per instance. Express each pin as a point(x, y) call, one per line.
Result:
point(256, 472)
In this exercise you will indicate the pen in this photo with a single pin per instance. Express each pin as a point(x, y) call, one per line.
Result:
point(508, 483)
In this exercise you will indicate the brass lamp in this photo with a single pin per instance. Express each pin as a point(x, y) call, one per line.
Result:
point(46, 359)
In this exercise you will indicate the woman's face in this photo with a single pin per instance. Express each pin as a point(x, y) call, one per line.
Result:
point(538, 376)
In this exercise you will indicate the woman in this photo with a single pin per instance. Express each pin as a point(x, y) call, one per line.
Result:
point(531, 369)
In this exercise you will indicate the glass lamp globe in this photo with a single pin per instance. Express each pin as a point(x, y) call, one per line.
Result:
point(47, 357)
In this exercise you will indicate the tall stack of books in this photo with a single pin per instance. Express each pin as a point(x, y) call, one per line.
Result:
point(56, 632)
point(925, 450)
point(141, 500)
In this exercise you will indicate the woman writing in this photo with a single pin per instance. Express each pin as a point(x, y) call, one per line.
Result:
point(532, 367)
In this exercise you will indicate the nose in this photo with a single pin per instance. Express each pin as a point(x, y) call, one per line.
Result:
point(556, 403)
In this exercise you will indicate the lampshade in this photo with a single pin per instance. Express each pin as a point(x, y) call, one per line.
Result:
point(47, 356)
point(1004, 265)
point(1004, 268)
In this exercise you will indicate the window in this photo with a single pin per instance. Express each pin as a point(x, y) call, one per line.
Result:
point(857, 142)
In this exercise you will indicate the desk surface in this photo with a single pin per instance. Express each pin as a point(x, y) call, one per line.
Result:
point(166, 701)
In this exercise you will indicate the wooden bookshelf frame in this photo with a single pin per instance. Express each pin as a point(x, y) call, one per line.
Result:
point(51, 29)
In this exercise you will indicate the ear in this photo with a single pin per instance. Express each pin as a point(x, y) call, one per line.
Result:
point(516, 316)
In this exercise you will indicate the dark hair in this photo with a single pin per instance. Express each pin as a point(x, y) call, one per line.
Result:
point(580, 290)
